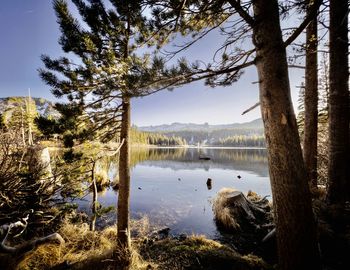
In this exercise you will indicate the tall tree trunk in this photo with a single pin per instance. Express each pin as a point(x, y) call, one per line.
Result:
point(124, 177)
point(338, 168)
point(295, 226)
point(94, 198)
point(311, 103)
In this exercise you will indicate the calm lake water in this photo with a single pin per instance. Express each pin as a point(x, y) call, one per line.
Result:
point(169, 184)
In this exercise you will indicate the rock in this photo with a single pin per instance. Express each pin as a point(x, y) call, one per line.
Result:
point(182, 237)
point(209, 184)
point(40, 157)
point(159, 234)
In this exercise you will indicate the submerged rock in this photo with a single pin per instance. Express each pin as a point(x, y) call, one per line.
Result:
point(209, 184)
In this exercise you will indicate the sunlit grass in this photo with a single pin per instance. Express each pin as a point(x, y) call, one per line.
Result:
point(84, 249)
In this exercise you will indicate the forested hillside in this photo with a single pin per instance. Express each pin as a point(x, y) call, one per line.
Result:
point(153, 138)
point(248, 134)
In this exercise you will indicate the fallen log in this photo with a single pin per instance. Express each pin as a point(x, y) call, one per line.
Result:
point(5, 231)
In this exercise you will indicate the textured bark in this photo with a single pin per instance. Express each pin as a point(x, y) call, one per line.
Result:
point(338, 168)
point(124, 178)
point(295, 226)
point(311, 102)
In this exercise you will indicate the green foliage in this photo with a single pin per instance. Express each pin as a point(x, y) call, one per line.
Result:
point(109, 67)
point(104, 210)
point(47, 126)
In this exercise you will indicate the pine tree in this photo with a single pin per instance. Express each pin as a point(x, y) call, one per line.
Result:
point(107, 74)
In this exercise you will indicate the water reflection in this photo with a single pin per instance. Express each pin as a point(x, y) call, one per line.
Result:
point(252, 160)
point(174, 188)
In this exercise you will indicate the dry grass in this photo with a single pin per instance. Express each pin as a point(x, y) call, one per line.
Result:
point(222, 211)
point(84, 249)
point(140, 227)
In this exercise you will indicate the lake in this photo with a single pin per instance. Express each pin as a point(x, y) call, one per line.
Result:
point(169, 184)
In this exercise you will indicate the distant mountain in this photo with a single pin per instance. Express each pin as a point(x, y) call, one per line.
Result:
point(175, 127)
point(43, 106)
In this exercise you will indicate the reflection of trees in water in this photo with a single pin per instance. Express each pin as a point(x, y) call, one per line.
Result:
point(254, 160)
point(142, 154)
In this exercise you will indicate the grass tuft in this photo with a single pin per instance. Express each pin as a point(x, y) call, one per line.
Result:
point(84, 249)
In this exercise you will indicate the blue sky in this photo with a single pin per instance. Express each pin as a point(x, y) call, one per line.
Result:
point(28, 29)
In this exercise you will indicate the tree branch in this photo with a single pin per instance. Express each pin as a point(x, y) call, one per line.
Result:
point(251, 108)
point(312, 12)
point(239, 9)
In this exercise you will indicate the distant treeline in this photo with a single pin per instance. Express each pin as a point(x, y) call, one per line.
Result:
point(211, 137)
point(151, 138)
point(243, 141)
point(242, 138)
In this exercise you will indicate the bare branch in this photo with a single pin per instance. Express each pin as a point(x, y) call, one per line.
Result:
point(313, 10)
point(251, 108)
point(239, 9)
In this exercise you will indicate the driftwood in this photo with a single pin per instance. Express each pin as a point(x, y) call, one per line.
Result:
point(19, 226)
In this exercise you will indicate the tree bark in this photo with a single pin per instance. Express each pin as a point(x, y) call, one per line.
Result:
point(338, 167)
point(311, 103)
point(295, 226)
point(124, 177)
